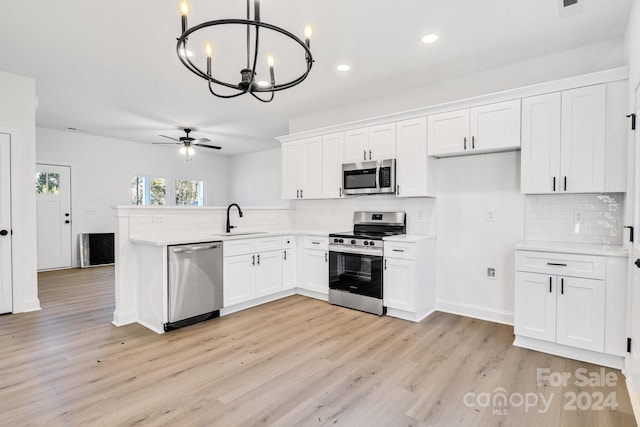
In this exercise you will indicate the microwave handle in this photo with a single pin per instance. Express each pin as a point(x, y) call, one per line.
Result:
point(378, 172)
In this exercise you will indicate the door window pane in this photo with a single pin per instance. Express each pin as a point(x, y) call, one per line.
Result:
point(189, 193)
point(47, 183)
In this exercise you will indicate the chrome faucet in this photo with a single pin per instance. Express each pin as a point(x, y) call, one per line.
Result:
point(229, 226)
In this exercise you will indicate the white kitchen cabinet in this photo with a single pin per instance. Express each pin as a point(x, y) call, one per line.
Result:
point(571, 304)
point(415, 172)
point(484, 129)
point(370, 143)
point(409, 288)
point(564, 142)
point(332, 159)
point(289, 263)
point(252, 268)
point(316, 264)
point(302, 169)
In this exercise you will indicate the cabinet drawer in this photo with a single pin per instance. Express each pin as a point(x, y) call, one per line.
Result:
point(316, 242)
point(238, 247)
point(264, 244)
point(587, 266)
point(399, 250)
point(288, 242)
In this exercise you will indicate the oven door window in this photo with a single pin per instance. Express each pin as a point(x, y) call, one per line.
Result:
point(359, 179)
point(357, 274)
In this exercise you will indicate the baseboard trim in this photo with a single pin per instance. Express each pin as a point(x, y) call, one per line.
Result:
point(312, 294)
point(151, 327)
point(407, 315)
point(574, 353)
point(32, 305)
point(255, 302)
point(633, 396)
point(121, 319)
point(475, 311)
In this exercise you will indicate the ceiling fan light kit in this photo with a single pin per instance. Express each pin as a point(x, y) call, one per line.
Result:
point(187, 142)
point(248, 83)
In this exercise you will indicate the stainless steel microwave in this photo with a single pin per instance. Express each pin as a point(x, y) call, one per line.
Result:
point(372, 177)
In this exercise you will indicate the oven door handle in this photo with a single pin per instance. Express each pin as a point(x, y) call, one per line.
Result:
point(356, 251)
point(378, 170)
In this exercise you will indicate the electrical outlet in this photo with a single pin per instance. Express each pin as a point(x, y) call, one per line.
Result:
point(491, 215)
point(158, 218)
point(577, 217)
point(91, 211)
point(491, 273)
point(420, 214)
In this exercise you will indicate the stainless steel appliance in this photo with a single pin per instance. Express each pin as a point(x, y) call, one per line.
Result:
point(372, 177)
point(195, 283)
point(356, 260)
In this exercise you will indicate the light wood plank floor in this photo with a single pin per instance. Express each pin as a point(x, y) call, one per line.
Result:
point(294, 362)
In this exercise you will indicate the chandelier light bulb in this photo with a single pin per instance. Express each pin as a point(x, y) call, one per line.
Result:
point(185, 7)
point(308, 31)
point(208, 49)
point(271, 61)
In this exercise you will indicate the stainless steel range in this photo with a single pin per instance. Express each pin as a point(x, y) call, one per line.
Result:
point(356, 260)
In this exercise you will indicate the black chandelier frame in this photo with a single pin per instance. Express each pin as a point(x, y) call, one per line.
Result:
point(248, 84)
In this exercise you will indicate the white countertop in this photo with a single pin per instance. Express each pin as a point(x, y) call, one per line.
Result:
point(409, 238)
point(573, 248)
point(182, 238)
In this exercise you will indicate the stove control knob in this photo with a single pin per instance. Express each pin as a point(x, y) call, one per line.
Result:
point(366, 243)
point(353, 242)
point(371, 243)
point(336, 240)
point(341, 241)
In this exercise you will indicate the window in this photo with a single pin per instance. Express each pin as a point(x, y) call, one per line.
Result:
point(47, 183)
point(148, 191)
point(189, 193)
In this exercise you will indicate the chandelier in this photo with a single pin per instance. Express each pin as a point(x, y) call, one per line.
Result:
point(262, 90)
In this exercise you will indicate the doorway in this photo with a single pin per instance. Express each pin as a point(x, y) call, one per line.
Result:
point(6, 277)
point(53, 204)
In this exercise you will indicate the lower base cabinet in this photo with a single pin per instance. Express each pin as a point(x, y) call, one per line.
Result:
point(572, 305)
point(289, 263)
point(316, 264)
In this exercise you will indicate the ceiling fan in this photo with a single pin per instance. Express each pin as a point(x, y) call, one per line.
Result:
point(188, 143)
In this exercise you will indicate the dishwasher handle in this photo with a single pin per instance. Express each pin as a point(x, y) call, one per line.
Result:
point(189, 249)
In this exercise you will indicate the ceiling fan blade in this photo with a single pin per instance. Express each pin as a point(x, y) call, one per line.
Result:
point(173, 139)
point(167, 143)
point(201, 140)
point(213, 147)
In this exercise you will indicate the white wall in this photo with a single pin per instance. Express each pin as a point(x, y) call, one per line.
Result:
point(101, 170)
point(18, 116)
point(254, 179)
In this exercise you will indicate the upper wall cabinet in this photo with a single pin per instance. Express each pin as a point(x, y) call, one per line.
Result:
point(332, 159)
point(302, 169)
point(572, 141)
point(370, 143)
point(484, 129)
point(415, 172)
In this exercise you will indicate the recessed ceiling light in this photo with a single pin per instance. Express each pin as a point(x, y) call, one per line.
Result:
point(430, 38)
point(343, 67)
point(189, 53)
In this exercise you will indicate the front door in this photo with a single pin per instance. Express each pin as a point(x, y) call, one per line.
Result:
point(53, 199)
point(6, 297)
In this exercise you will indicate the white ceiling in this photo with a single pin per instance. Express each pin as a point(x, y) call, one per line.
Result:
point(110, 67)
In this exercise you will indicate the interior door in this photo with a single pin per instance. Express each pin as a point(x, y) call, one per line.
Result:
point(632, 361)
point(6, 296)
point(53, 200)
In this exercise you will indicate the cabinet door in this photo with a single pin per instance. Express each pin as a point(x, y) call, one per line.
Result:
point(356, 145)
point(332, 159)
point(382, 142)
point(290, 168)
point(581, 313)
point(540, 157)
point(535, 306)
point(582, 157)
point(495, 127)
point(289, 270)
point(448, 133)
point(238, 283)
point(399, 284)
point(311, 168)
point(411, 161)
point(268, 279)
point(316, 271)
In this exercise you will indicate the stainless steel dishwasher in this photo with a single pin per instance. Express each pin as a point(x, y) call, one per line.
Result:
point(195, 283)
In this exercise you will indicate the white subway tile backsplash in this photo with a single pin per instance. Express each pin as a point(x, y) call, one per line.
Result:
point(575, 218)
